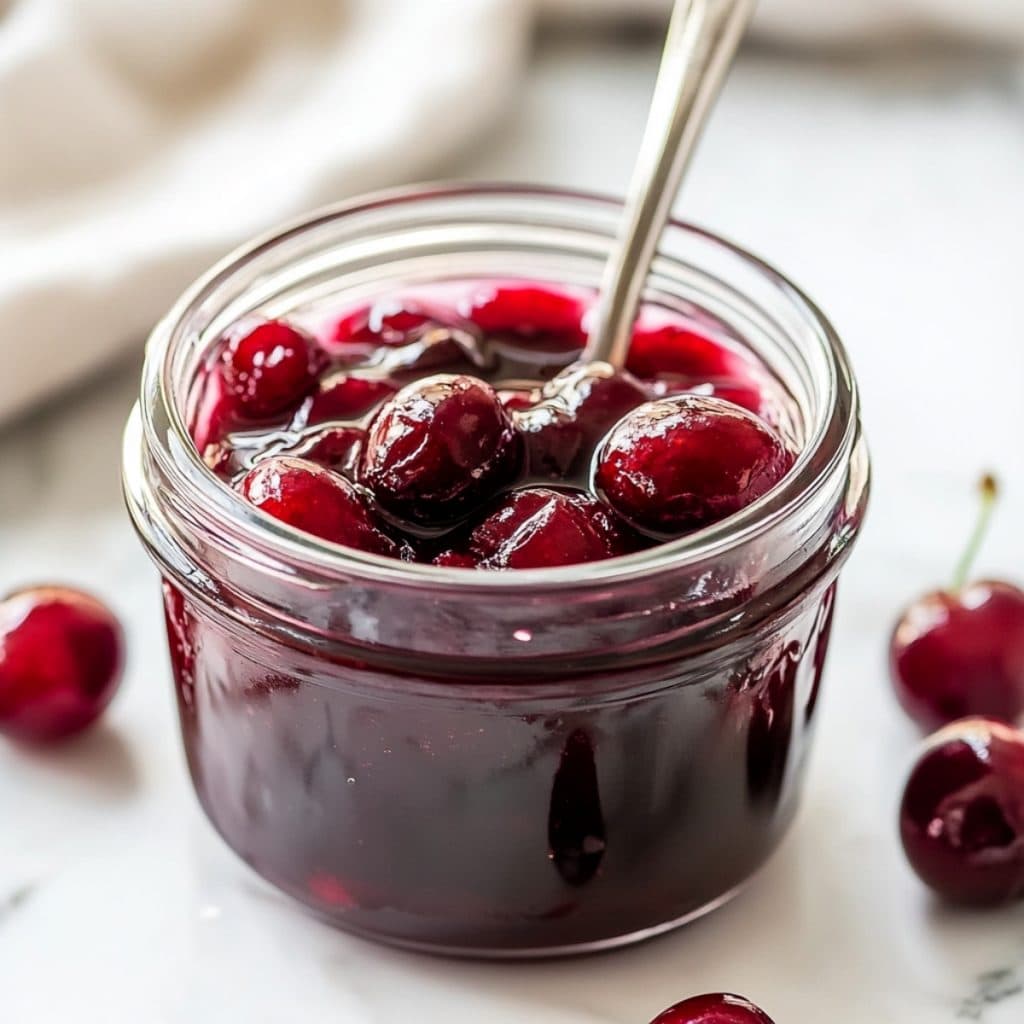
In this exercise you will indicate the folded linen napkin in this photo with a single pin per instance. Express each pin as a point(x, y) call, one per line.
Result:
point(142, 139)
point(843, 20)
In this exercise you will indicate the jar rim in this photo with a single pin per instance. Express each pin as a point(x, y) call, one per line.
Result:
point(832, 439)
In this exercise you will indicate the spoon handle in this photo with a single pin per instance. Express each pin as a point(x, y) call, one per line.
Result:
point(702, 38)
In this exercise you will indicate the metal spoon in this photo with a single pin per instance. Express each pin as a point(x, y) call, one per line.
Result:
point(702, 38)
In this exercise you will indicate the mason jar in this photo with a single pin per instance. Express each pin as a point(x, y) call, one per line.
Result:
point(498, 763)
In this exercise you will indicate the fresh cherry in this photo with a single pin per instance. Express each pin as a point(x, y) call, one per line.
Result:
point(962, 816)
point(537, 527)
point(311, 498)
point(960, 652)
point(531, 313)
point(575, 411)
point(269, 368)
point(683, 463)
point(61, 657)
point(718, 1008)
point(438, 449)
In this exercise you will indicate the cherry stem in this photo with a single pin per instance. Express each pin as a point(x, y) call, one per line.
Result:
point(989, 490)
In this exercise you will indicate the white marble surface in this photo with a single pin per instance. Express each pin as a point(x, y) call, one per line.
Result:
point(892, 191)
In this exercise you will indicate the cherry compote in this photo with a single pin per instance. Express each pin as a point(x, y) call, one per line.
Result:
point(462, 428)
point(510, 714)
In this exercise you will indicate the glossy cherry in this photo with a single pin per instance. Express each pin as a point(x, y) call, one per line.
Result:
point(451, 559)
point(388, 321)
point(214, 412)
point(962, 815)
point(960, 652)
point(742, 392)
point(681, 352)
point(269, 368)
point(541, 316)
point(955, 654)
point(406, 337)
point(344, 396)
point(575, 410)
point(438, 449)
point(716, 1008)
point(448, 349)
point(683, 463)
point(313, 499)
point(61, 657)
point(338, 448)
point(538, 526)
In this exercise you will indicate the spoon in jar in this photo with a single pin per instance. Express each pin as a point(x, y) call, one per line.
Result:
point(702, 38)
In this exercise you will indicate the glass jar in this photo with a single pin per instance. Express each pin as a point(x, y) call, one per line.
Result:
point(505, 764)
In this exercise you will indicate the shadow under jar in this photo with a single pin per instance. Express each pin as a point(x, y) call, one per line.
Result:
point(499, 763)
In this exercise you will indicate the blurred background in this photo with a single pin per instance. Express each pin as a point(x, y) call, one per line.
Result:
point(871, 149)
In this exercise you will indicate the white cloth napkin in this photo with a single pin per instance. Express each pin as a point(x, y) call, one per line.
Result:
point(844, 20)
point(142, 139)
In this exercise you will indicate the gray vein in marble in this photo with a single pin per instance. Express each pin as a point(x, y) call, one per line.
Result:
point(15, 899)
point(992, 988)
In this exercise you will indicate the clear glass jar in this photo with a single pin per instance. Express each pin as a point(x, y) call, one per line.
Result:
point(504, 764)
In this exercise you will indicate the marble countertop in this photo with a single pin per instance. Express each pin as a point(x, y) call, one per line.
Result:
point(891, 189)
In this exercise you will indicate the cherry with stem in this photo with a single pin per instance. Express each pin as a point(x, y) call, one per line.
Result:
point(960, 651)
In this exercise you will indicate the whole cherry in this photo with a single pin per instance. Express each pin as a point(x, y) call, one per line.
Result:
point(337, 448)
point(214, 412)
point(407, 337)
point(343, 396)
point(269, 368)
point(389, 321)
point(440, 349)
point(438, 449)
point(683, 463)
point(746, 393)
point(312, 498)
point(539, 527)
point(715, 1008)
point(529, 313)
point(960, 652)
point(575, 410)
point(681, 351)
point(61, 657)
point(962, 815)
